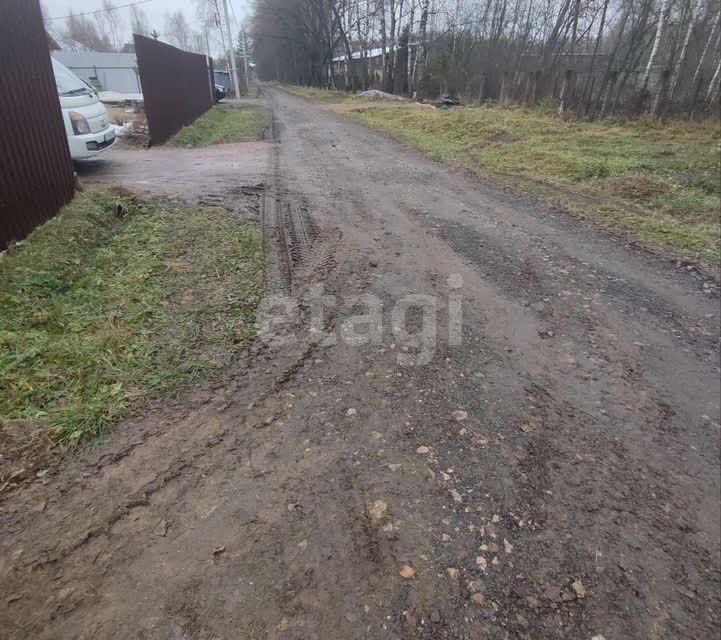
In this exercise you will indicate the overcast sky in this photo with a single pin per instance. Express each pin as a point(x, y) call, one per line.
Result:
point(154, 9)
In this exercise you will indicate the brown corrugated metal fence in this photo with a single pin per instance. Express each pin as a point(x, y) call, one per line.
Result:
point(36, 171)
point(176, 86)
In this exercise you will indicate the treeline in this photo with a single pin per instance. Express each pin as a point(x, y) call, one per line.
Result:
point(591, 56)
point(110, 28)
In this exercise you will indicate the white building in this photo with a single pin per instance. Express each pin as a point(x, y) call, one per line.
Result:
point(117, 72)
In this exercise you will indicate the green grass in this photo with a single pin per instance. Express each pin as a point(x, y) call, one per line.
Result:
point(322, 96)
point(100, 313)
point(660, 182)
point(222, 124)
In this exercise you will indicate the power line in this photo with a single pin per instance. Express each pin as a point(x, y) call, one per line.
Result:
point(237, 28)
point(241, 34)
point(88, 13)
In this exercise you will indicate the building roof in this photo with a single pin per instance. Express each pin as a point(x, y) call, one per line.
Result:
point(357, 55)
point(371, 53)
point(90, 59)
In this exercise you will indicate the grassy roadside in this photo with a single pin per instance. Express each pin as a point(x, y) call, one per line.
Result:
point(322, 96)
point(98, 313)
point(659, 182)
point(222, 124)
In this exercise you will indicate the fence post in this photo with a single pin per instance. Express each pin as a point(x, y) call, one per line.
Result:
point(211, 76)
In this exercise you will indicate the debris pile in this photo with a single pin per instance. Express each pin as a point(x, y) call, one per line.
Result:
point(374, 94)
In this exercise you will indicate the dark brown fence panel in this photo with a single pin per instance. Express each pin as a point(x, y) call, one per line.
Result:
point(176, 86)
point(36, 171)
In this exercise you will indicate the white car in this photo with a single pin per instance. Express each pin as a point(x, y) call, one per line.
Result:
point(85, 117)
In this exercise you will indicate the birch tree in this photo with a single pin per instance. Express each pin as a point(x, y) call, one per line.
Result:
point(656, 43)
point(591, 56)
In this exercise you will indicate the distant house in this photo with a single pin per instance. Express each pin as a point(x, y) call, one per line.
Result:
point(372, 57)
point(116, 72)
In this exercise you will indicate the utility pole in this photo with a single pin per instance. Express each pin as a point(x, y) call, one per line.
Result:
point(231, 52)
point(208, 60)
point(245, 55)
point(219, 24)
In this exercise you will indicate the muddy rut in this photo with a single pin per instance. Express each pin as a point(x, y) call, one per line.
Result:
point(552, 474)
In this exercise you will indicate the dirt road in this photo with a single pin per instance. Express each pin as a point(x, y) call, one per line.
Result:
point(554, 475)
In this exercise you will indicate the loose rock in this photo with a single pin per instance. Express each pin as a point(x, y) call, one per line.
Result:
point(161, 528)
point(552, 593)
point(578, 588)
point(407, 572)
point(531, 424)
point(377, 510)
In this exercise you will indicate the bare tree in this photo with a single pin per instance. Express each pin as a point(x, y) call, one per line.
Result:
point(139, 21)
point(702, 58)
point(660, 25)
point(592, 56)
point(81, 34)
point(207, 20)
point(423, 44)
point(681, 58)
point(713, 88)
point(590, 78)
point(110, 23)
point(177, 30)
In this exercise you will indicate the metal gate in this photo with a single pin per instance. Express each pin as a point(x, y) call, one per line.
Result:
point(36, 171)
point(176, 86)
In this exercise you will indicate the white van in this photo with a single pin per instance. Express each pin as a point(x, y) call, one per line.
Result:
point(85, 117)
